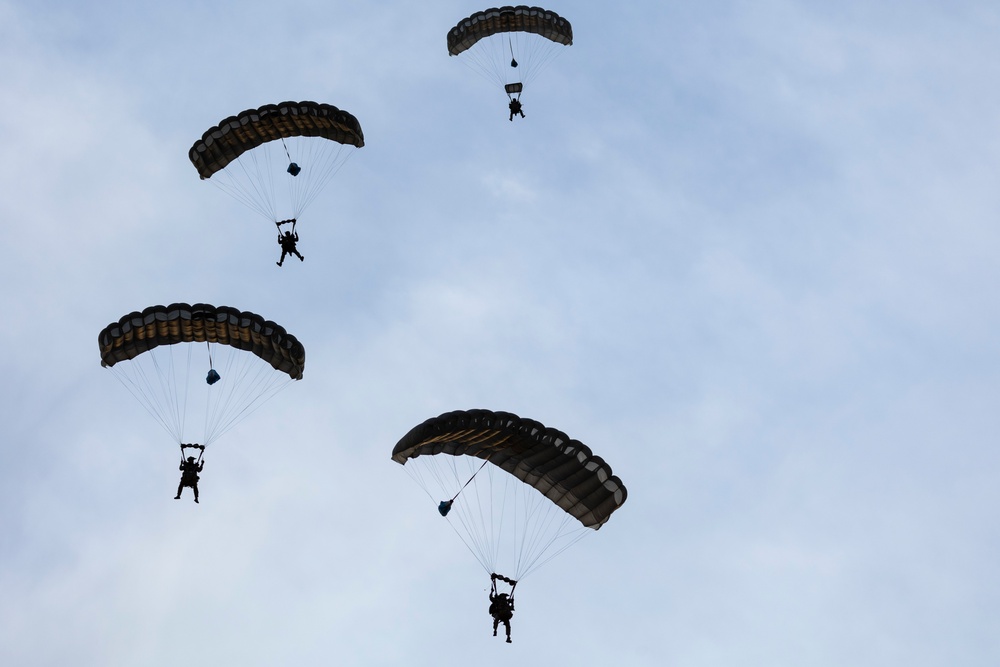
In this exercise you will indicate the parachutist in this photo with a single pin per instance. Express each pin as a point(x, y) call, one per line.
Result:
point(497, 465)
point(287, 242)
point(515, 108)
point(502, 604)
point(189, 473)
point(502, 610)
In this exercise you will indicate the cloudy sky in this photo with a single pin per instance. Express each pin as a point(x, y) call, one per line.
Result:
point(745, 251)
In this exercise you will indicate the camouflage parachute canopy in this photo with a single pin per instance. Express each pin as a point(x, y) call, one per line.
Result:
point(182, 323)
point(235, 135)
point(564, 470)
point(521, 18)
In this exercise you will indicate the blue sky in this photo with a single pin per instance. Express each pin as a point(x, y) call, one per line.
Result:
point(744, 251)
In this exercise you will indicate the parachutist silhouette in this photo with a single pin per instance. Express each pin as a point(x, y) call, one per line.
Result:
point(189, 472)
point(501, 609)
point(287, 242)
point(501, 606)
point(515, 108)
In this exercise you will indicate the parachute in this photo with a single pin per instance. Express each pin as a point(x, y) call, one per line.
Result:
point(207, 364)
point(278, 158)
point(520, 493)
point(509, 45)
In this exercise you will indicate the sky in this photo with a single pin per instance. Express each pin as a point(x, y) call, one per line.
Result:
point(745, 251)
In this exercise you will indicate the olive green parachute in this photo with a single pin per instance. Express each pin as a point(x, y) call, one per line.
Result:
point(277, 158)
point(562, 469)
point(180, 323)
point(163, 353)
point(536, 20)
point(237, 134)
point(509, 45)
point(522, 492)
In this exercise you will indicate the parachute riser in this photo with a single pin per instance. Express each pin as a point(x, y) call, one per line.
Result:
point(201, 451)
point(513, 584)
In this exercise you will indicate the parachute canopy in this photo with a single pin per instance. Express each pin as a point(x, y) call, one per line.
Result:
point(293, 146)
point(509, 45)
point(215, 363)
point(522, 18)
point(533, 491)
point(180, 323)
